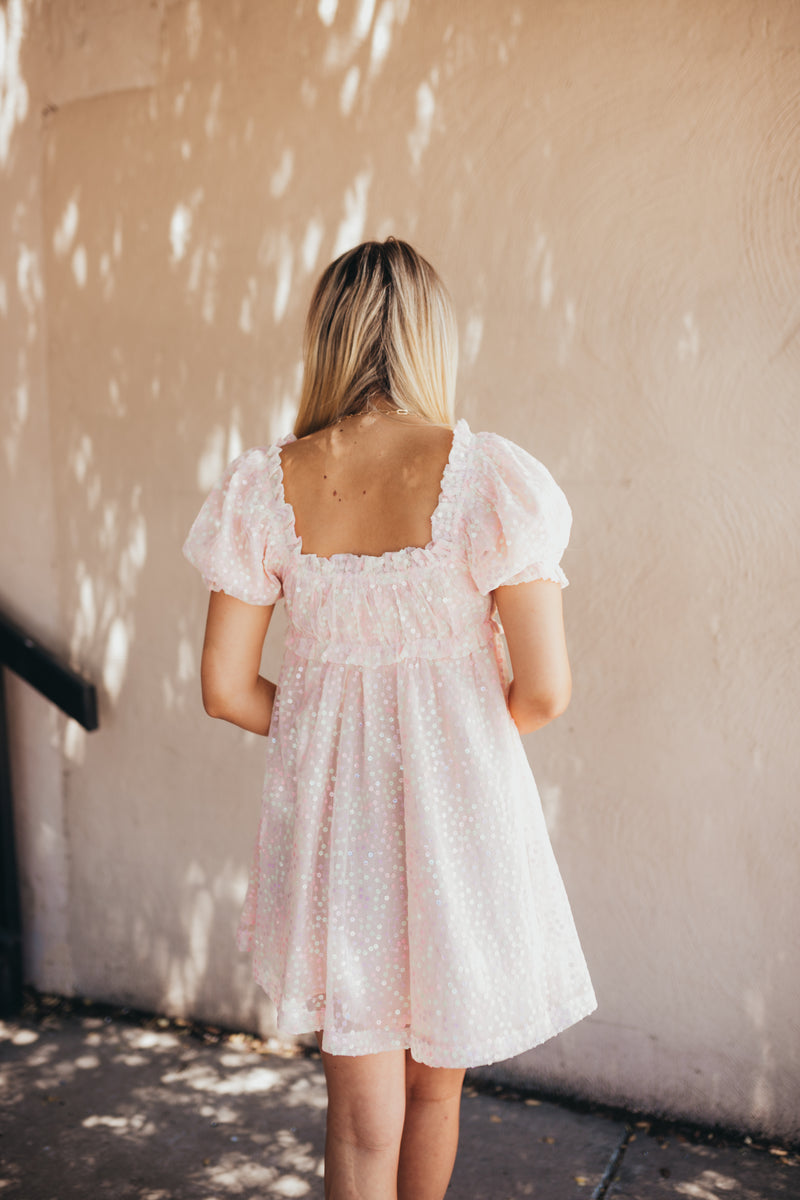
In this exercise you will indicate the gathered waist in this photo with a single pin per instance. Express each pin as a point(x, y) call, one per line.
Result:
point(379, 654)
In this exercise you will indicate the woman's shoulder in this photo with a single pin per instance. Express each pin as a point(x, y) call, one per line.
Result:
point(250, 485)
point(517, 518)
point(496, 446)
point(497, 460)
point(259, 457)
point(259, 465)
point(242, 520)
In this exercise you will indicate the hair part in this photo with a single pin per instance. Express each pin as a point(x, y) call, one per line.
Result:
point(380, 324)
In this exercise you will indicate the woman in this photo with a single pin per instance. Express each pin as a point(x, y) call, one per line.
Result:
point(404, 902)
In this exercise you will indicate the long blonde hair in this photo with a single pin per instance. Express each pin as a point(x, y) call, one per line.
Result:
point(380, 324)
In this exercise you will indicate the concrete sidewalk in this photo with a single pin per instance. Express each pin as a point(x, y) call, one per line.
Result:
point(99, 1106)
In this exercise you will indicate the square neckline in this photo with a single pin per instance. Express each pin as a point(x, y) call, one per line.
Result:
point(444, 503)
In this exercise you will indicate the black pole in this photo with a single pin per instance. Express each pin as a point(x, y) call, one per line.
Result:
point(10, 922)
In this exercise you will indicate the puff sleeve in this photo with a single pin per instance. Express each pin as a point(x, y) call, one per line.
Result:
point(518, 520)
point(233, 541)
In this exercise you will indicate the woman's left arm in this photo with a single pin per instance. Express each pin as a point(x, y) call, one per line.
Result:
point(233, 690)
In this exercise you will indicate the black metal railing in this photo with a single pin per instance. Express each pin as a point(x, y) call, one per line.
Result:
point(26, 657)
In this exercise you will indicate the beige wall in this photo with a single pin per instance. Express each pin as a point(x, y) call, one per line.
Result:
point(612, 192)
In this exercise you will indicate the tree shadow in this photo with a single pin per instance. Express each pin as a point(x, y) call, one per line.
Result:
point(103, 1107)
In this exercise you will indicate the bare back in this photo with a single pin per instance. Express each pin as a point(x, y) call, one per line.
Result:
point(367, 485)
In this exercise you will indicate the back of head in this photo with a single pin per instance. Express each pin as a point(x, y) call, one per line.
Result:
point(380, 324)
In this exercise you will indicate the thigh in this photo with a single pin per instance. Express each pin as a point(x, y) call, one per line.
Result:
point(366, 1095)
point(432, 1083)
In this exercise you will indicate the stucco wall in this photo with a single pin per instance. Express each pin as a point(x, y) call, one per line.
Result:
point(612, 193)
point(28, 556)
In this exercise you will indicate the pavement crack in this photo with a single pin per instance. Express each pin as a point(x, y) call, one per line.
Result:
point(613, 1165)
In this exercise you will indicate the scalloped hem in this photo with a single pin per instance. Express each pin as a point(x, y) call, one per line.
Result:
point(481, 1052)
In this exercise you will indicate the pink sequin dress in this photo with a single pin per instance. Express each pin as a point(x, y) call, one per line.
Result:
point(404, 892)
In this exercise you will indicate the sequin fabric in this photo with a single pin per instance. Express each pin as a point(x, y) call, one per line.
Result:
point(404, 892)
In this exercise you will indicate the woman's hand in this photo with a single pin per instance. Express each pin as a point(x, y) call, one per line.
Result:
point(233, 690)
point(533, 620)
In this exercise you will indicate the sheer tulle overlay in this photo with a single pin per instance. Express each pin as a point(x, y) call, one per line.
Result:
point(403, 892)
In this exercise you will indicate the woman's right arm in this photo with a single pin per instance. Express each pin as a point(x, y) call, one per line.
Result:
point(233, 690)
point(533, 619)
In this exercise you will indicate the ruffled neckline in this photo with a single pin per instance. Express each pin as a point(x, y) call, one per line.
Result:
point(443, 519)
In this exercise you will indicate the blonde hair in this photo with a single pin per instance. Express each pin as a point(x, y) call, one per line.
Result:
point(380, 324)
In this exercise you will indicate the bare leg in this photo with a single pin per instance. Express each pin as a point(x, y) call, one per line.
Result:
point(366, 1106)
point(430, 1132)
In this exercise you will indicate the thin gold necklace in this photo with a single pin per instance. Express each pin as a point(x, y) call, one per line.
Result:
point(382, 412)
